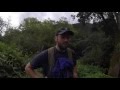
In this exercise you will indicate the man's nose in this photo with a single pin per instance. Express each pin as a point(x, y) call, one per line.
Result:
point(66, 39)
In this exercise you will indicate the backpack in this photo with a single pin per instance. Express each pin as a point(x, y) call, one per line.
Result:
point(55, 69)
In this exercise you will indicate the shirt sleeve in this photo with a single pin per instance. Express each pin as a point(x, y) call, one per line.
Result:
point(40, 60)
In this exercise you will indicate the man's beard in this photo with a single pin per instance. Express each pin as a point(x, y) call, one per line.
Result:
point(63, 47)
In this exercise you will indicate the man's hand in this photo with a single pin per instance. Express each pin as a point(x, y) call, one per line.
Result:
point(75, 73)
point(31, 72)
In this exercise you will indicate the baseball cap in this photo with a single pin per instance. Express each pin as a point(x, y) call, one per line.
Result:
point(64, 31)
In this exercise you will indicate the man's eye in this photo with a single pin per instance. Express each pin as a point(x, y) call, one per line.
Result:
point(63, 37)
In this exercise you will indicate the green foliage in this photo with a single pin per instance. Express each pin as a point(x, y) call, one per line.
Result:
point(90, 71)
point(94, 47)
point(93, 43)
point(117, 47)
point(2, 25)
point(33, 35)
point(11, 61)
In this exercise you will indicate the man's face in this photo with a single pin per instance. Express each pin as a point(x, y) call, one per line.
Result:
point(63, 40)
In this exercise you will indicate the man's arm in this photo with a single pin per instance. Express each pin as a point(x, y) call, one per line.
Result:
point(39, 61)
point(31, 72)
point(75, 72)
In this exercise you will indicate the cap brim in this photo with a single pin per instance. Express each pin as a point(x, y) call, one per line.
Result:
point(67, 32)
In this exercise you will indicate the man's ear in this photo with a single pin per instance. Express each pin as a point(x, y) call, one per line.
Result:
point(55, 38)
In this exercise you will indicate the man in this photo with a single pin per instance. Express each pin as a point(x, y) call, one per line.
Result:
point(62, 39)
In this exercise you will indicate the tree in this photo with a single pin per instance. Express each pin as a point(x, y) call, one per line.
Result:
point(12, 62)
point(33, 36)
point(2, 25)
point(109, 22)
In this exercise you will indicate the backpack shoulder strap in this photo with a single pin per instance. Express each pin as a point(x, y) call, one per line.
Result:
point(70, 51)
point(51, 57)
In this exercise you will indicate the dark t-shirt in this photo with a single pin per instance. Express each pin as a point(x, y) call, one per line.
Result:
point(41, 60)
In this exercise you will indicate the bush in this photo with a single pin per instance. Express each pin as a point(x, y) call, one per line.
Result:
point(89, 71)
point(12, 61)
